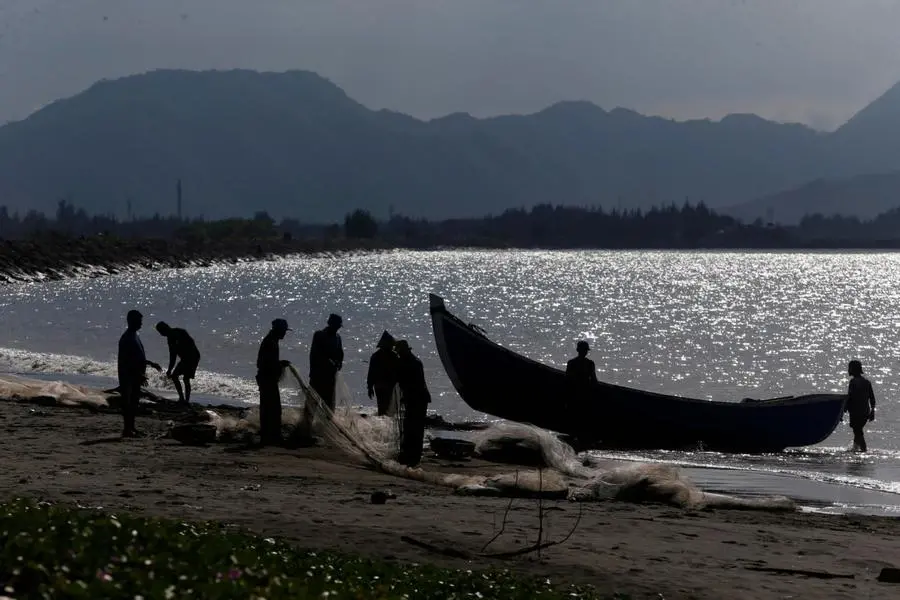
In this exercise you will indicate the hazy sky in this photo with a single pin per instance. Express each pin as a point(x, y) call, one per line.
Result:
point(814, 61)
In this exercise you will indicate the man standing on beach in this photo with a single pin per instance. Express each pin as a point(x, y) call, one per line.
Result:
point(268, 372)
point(326, 358)
point(181, 345)
point(132, 366)
point(415, 400)
point(382, 376)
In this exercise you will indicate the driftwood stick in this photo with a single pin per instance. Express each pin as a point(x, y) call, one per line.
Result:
point(540, 511)
point(575, 526)
point(454, 553)
point(505, 517)
point(540, 546)
point(537, 547)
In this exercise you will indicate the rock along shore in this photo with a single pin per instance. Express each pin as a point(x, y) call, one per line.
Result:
point(54, 257)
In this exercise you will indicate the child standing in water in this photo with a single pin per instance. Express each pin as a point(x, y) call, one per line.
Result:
point(860, 404)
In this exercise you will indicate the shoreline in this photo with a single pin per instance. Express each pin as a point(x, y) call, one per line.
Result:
point(157, 406)
point(319, 499)
point(58, 257)
point(54, 256)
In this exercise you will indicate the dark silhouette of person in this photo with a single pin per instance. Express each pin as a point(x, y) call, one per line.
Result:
point(269, 367)
point(581, 374)
point(326, 358)
point(132, 367)
point(860, 404)
point(415, 400)
point(382, 375)
point(580, 371)
point(181, 346)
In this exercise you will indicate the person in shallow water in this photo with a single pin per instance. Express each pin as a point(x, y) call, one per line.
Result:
point(132, 367)
point(382, 376)
point(269, 367)
point(181, 346)
point(415, 399)
point(326, 358)
point(860, 404)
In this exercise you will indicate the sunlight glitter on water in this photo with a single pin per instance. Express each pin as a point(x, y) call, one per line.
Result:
point(722, 325)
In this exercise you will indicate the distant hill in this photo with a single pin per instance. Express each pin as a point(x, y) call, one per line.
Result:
point(296, 145)
point(860, 174)
point(864, 196)
point(870, 140)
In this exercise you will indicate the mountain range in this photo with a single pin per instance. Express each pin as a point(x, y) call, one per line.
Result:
point(295, 145)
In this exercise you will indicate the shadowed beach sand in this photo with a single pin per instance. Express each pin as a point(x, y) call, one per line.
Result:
point(320, 499)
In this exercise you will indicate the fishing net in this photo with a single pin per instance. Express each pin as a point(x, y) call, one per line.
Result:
point(374, 440)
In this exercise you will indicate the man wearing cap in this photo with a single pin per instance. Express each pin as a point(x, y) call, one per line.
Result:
point(132, 367)
point(326, 357)
point(268, 372)
point(581, 375)
point(382, 376)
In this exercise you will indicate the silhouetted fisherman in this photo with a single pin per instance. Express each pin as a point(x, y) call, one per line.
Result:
point(581, 374)
point(415, 400)
point(580, 371)
point(382, 376)
point(132, 367)
point(860, 404)
point(269, 367)
point(326, 358)
point(181, 346)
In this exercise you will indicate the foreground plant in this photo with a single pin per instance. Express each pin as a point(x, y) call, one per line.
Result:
point(55, 552)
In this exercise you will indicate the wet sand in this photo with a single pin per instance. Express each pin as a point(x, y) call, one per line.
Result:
point(321, 500)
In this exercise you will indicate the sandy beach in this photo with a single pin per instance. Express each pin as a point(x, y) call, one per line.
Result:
point(321, 499)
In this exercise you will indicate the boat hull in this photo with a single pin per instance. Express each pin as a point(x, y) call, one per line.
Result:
point(494, 380)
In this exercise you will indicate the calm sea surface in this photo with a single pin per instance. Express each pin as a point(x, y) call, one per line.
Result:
point(717, 325)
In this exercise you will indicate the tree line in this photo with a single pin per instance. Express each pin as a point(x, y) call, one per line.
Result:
point(542, 226)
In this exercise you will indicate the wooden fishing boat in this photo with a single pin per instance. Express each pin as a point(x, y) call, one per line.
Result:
point(497, 381)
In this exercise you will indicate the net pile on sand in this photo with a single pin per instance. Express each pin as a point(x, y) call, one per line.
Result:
point(51, 392)
point(375, 440)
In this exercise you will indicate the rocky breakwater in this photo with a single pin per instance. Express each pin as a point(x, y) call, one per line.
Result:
point(58, 257)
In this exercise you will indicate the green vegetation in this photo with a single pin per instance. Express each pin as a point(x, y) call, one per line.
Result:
point(261, 227)
point(50, 551)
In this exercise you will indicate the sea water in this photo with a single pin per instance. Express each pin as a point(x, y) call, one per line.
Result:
point(715, 325)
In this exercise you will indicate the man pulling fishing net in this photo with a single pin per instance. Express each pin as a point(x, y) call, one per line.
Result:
point(414, 401)
point(269, 367)
point(381, 378)
point(326, 358)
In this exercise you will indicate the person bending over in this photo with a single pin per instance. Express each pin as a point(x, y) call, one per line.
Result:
point(181, 346)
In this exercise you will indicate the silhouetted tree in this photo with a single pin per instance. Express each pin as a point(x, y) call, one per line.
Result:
point(360, 225)
point(262, 215)
point(667, 226)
